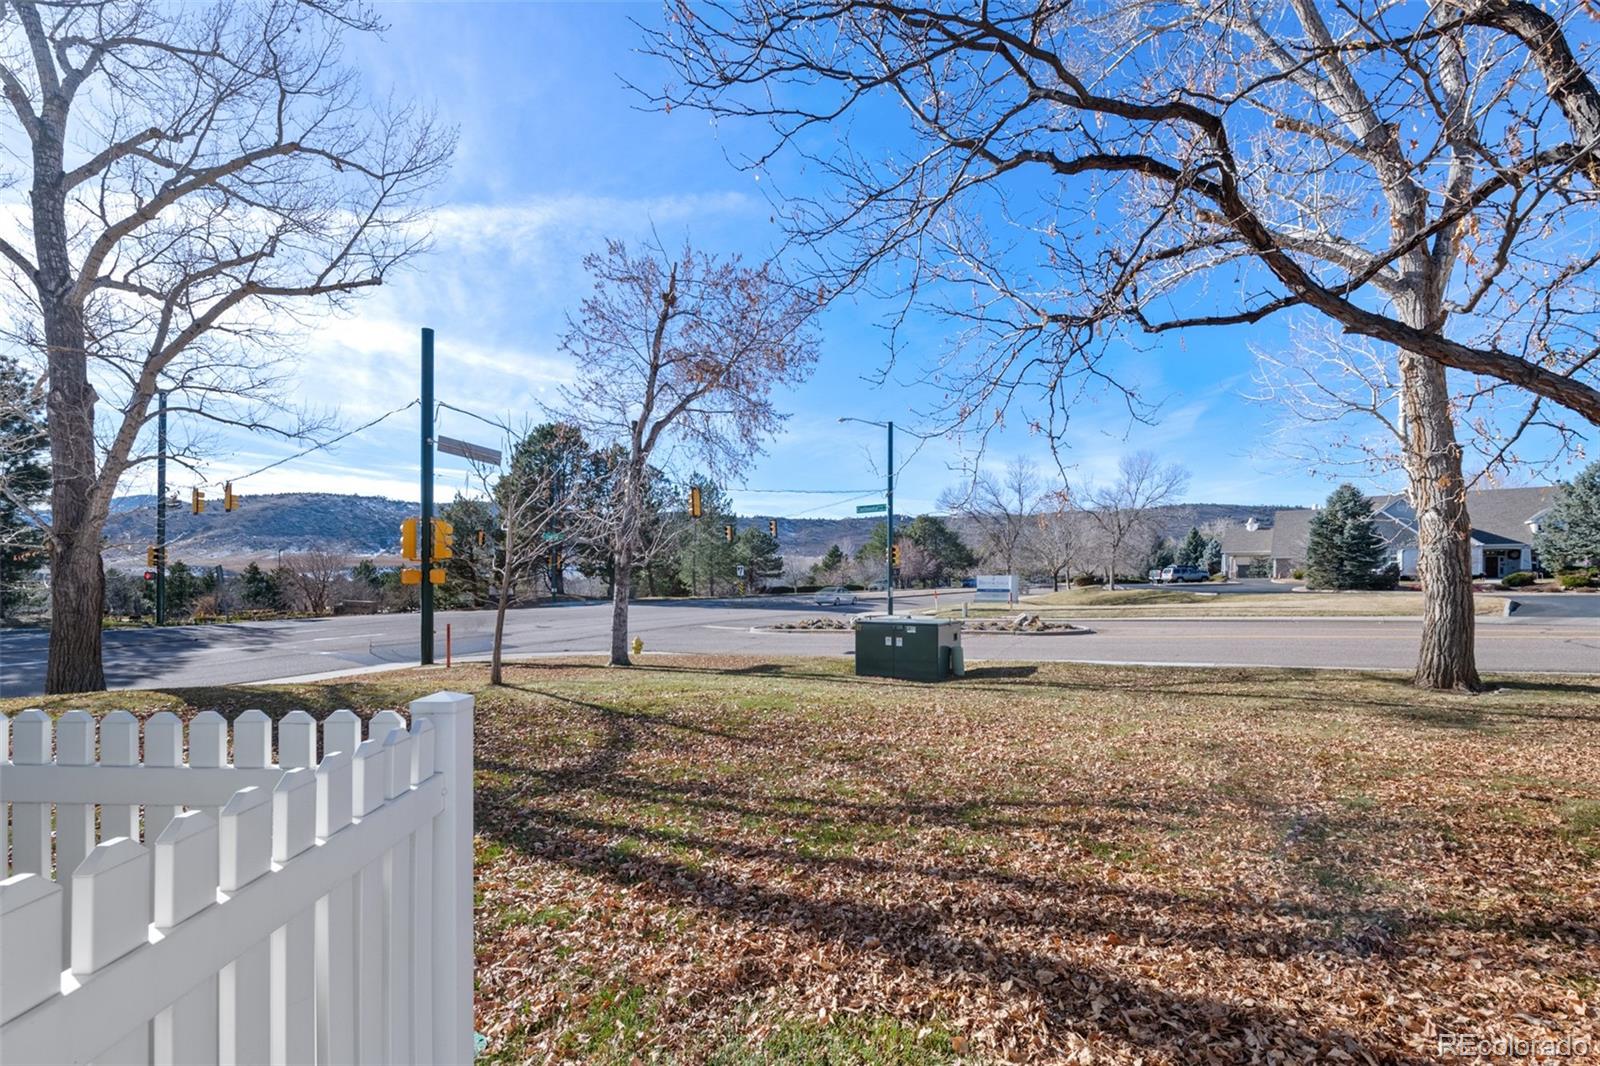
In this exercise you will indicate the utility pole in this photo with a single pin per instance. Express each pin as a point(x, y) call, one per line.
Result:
point(888, 548)
point(161, 507)
point(425, 527)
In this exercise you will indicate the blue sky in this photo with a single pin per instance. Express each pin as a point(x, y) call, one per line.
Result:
point(555, 155)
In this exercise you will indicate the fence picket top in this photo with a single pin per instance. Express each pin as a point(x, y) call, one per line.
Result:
point(208, 740)
point(398, 745)
point(5, 737)
point(31, 738)
point(252, 740)
point(335, 777)
point(163, 740)
point(383, 723)
point(341, 731)
point(30, 943)
point(371, 781)
point(75, 734)
point(297, 740)
point(421, 750)
point(110, 904)
point(119, 739)
point(244, 835)
point(186, 868)
point(294, 813)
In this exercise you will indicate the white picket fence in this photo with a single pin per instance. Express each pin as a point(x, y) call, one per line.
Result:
point(281, 912)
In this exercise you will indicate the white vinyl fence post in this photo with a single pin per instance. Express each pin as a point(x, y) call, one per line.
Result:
point(451, 716)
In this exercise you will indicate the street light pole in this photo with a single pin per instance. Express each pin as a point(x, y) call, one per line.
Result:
point(888, 547)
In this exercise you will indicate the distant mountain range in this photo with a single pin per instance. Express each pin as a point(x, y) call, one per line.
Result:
point(354, 525)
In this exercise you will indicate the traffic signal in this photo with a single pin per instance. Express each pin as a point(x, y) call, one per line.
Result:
point(149, 575)
point(443, 540)
point(230, 502)
point(155, 558)
point(727, 532)
point(894, 553)
point(772, 527)
point(553, 559)
point(483, 538)
point(197, 501)
point(408, 540)
point(694, 501)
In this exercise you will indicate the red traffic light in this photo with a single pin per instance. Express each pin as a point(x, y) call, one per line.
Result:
point(149, 575)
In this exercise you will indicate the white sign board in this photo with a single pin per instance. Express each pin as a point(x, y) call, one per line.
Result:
point(997, 588)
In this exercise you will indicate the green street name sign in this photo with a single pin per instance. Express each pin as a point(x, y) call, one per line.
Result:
point(872, 508)
point(553, 536)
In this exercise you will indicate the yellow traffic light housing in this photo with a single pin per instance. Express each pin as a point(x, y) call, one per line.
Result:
point(197, 501)
point(408, 542)
point(727, 533)
point(894, 553)
point(150, 556)
point(230, 502)
point(483, 538)
point(772, 527)
point(443, 541)
point(694, 501)
point(409, 576)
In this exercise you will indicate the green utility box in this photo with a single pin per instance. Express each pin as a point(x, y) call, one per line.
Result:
point(911, 649)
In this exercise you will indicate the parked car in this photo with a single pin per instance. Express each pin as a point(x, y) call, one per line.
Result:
point(834, 596)
point(877, 586)
point(1174, 574)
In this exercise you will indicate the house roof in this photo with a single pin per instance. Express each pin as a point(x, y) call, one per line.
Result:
point(1239, 540)
point(1499, 518)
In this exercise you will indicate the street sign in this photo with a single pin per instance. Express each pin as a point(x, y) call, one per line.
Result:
point(738, 571)
point(871, 508)
point(476, 453)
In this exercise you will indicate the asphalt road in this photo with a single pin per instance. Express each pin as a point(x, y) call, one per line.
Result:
point(1533, 641)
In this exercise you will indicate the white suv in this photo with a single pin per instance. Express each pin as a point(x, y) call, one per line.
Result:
point(835, 596)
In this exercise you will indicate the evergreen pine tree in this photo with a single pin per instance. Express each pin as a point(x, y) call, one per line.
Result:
point(256, 587)
point(1192, 551)
point(25, 478)
point(1211, 559)
point(1344, 549)
point(1569, 533)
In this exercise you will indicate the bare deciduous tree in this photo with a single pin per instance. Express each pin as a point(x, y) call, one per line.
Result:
point(682, 351)
point(1121, 510)
point(193, 172)
point(313, 576)
point(1055, 542)
point(1408, 173)
point(1002, 507)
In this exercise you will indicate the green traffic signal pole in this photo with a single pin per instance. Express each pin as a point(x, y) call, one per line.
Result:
point(425, 528)
point(161, 508)
point(888, 547)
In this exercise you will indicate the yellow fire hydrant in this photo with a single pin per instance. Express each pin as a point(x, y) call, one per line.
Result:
point(638, 645)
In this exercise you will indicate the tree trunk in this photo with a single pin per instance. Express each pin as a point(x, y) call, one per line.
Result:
point(500, 625)
point(1447, 658)
point(621, 585)
point(77, 601)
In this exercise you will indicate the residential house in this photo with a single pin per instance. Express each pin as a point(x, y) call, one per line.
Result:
point(1504, 522)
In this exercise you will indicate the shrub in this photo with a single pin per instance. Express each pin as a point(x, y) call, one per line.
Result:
point(1387, 579)
point(1520, 579)
point(1298, 573)
point(1576, 579)
point(1217, 577)
point(1086, 579)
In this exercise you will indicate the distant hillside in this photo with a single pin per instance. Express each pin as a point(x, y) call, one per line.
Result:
point(370, 526)
point(262, 526)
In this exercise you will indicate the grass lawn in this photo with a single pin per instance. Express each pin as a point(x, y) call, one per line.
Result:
point(1146, 603)
point(738, 861)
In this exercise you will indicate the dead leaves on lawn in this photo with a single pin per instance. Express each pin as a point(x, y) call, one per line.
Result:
point(736, 861)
